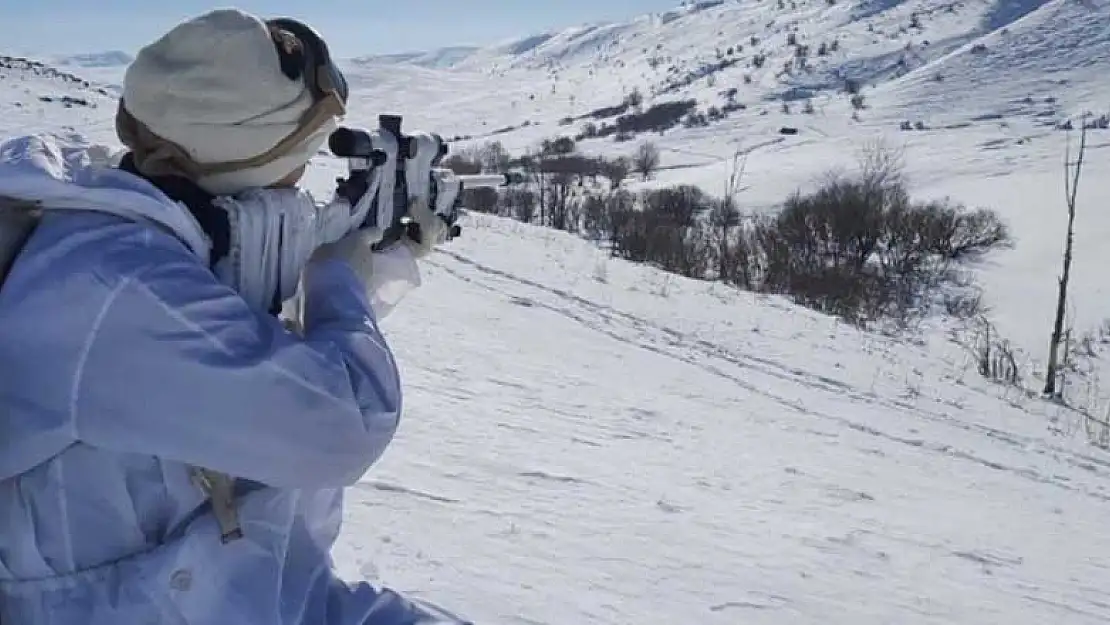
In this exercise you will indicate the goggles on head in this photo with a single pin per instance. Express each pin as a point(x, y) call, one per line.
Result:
point(303, 56)
point(303, 53)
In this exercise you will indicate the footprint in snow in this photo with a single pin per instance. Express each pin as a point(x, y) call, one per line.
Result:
point(543, 475)
point(386, 487)
point(668, 507)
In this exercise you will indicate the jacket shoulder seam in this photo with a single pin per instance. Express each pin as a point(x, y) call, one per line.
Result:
point(86, 347)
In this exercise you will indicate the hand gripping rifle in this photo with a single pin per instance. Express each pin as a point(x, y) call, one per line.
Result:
point(396, 169)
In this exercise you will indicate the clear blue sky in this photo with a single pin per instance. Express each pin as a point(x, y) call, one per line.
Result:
point(352, 27)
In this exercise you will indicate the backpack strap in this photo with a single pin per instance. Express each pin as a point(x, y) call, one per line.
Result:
point(220, 490)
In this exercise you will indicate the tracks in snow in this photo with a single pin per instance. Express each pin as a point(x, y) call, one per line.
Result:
point(776, 381)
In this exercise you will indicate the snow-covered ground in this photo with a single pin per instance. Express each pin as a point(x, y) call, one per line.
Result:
point(595, 442)
point(591, 441)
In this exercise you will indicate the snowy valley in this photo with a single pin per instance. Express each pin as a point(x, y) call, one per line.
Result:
point(592, 440)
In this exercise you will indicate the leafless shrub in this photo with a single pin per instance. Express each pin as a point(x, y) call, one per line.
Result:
point(646, 159)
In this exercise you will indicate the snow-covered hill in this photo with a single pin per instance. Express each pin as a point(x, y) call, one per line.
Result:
point(988, 82)
point(596, 442)
point(912, 52)
point(591, 441)
point(1049, 65)
point(441, 58)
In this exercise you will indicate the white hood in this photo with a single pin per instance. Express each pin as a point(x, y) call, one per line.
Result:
point(39, 171)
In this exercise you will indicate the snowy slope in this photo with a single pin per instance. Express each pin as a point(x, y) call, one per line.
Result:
point(545, 77)
point(590, 441)
point(1059, 50)
point(594, 442)
point(989, 80)
point(441, 58)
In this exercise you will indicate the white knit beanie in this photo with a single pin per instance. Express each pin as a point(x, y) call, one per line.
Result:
point(213, 85)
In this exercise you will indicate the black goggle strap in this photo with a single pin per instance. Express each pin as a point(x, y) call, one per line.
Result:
point(307, 54)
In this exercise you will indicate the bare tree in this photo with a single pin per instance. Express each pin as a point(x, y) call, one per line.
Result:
point(595, 217)
point(519, 203)
point(494, 157)
point(1071, 183)
point(616, 171)
point(882, 165)
point(646, 159)
point(635, 99)
point(724, 218)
